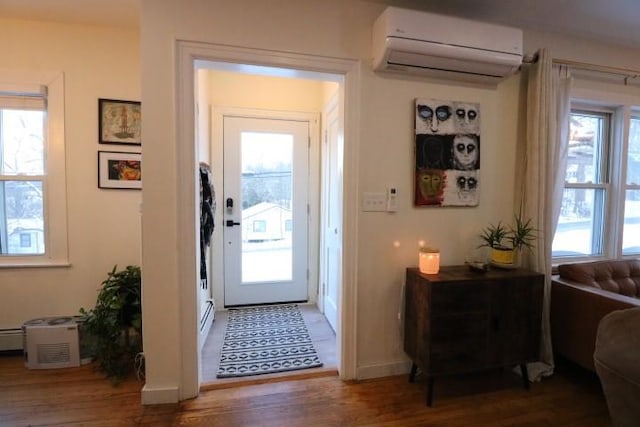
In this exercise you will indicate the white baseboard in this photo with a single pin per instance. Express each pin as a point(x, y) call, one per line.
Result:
point(157, 396)
point(11, 339)
point(383, 370)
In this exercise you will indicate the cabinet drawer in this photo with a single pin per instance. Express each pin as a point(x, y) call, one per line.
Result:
point(459, 327)
point(459, 297)
point(457, 356)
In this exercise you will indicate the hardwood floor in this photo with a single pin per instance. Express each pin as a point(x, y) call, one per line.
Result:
point(81, 397)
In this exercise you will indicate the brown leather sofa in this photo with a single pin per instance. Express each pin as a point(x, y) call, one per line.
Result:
point(581, 295)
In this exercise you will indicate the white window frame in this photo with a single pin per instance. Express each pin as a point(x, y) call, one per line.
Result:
point(630, 112)
point(621, 106)
point(54, 182)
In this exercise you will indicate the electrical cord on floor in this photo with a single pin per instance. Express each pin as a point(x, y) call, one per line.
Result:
point(139, 366)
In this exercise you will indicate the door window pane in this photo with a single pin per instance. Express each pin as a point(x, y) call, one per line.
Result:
point(580, 226)
point(266, 163)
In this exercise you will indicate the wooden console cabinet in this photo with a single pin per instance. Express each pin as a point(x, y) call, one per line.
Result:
point(460, 321)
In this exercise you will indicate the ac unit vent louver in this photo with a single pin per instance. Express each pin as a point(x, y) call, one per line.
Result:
point(54, 353)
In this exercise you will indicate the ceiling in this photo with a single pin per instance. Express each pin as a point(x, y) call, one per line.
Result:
point(611, 21)
point(115, 13)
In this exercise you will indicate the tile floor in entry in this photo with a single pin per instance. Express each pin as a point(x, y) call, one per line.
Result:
point(322, 336)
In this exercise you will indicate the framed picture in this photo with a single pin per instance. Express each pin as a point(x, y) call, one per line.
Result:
point(119, 170)
point(119, 122)
point(447, 153)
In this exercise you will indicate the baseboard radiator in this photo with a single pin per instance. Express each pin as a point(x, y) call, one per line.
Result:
point(11, 339)
point(208, 315)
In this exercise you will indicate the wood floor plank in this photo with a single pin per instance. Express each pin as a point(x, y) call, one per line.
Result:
point(82, 397)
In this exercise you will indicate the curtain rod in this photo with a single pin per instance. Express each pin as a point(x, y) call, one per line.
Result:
point(626, 72)
point(598, 68)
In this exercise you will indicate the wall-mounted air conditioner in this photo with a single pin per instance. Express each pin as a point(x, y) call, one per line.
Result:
point(51, 342)
point(442, 46)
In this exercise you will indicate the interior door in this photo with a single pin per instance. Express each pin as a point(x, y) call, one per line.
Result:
point(332, 213)
point(265, 209)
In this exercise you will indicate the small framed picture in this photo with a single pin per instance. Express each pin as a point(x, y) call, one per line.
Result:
point(119, 170)
point(119, 122)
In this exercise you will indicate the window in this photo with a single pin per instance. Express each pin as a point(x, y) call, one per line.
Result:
point(21, 171)
point(25, 240)
point(596, 199)
point(33, 228)
point(631, 228)
point(259, 226)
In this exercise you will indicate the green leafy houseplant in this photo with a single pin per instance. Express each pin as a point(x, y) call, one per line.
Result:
point(114, 325)
point(494, 235)
point(522, 234)
point(506, 241)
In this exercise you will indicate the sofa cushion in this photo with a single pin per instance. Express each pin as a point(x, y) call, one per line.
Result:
point(616, 361)
point(619, 276)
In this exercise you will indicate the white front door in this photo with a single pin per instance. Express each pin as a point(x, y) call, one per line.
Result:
point(332, 213)
point(266, 164)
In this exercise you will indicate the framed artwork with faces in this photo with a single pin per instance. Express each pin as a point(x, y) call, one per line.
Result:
point(447, 153)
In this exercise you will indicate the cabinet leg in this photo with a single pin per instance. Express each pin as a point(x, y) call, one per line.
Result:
point(412, 374)
point(525, 375)
point(430, 391)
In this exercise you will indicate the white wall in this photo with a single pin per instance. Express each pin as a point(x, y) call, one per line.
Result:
point(582, 50)
point(104, 225)
point(204, 119)
point(386, 156)
point(333, 28)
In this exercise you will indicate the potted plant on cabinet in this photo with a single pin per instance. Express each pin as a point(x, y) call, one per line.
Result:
point(495, 237)
point(507, 242)
point(114, 325)
point(522, 234)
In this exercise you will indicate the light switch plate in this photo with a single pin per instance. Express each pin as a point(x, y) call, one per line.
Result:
point(374, 202)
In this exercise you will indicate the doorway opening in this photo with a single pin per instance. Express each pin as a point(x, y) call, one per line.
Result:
point(273, 139)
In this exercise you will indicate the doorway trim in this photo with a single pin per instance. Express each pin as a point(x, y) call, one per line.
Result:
point(188, 52)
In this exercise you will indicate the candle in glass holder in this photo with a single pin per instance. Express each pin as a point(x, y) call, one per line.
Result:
point(429, 260)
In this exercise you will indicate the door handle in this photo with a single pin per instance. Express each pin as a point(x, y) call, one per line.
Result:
point(231, 223)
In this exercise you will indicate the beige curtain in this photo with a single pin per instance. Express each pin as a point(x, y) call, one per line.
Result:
point(543, 163)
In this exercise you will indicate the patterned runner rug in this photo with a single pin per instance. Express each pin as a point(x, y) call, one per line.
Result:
point(264, 340)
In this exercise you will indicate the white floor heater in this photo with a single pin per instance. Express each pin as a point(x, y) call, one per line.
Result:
point(51, 342)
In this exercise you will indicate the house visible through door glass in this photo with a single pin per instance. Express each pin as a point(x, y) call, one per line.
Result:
point(267, 160)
